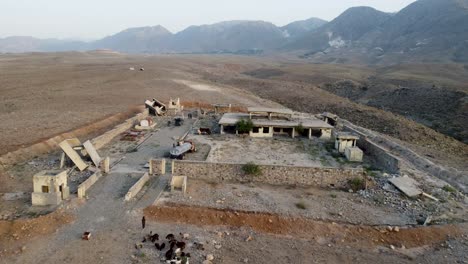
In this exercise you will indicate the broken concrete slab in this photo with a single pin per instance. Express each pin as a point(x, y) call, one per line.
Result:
point(406, 185)
point(73, 155)
point(92, 153)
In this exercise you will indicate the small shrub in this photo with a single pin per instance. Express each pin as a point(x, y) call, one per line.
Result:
point(244, 125)
point(251, 169)
point(449, 189)
point(301, 205)
point(300, 129)
point(357, 184)
point(131, 149)
point(333, 195)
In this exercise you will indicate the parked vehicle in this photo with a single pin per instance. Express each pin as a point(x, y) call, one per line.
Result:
point(179, 151)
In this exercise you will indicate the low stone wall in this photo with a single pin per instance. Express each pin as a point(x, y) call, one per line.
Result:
point(84, 186)
point(378, 155)
point(135, 189)
point(271, 174)
point(157, 167)
point(105, 138)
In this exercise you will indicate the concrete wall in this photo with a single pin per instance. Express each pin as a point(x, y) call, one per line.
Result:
point(135, 189)
point(354, 154)
point(83, 187)
point(271, 174)
point(157, 167)
point(379, 156)
point(46, 198)
point(179, 182)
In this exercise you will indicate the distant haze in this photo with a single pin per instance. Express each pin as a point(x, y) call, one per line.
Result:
point(91, 19)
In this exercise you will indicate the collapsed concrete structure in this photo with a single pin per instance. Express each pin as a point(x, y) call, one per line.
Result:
point(50, 187)
point(155, 107)
point(174, 107)
point(329, 118)
point(268, 122)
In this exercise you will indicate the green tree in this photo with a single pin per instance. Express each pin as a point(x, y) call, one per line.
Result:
point(244, 125)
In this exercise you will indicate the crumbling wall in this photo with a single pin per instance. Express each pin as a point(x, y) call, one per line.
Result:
point(83, 187)
point(135, 189)
point(157, 167)
point(271, 174)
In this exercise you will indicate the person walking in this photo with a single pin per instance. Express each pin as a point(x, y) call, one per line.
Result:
point(143, 222)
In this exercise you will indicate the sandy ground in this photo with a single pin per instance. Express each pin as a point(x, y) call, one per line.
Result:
point(271, 151)
point(319, 204)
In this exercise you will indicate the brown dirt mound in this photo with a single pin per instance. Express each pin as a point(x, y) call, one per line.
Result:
point(15, 233)
point(306, 228)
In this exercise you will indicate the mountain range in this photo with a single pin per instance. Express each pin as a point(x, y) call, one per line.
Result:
point(426, 30)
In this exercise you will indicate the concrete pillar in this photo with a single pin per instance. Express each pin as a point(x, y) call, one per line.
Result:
point(293, 134)
point(269, 116)
point(62, 160)
point(163, 166)
point(106, 165)
point(310, 133)
point(150, 167)
point(221, 129)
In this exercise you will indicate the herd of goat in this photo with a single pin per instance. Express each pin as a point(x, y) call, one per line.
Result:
point(175, 254)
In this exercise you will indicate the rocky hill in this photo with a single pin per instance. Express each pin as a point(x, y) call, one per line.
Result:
point(424, 31)
point(299, 28)
point(231, 36)
point(136, 40)
point(342, 31)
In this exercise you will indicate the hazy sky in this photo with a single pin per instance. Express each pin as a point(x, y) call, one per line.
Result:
point(93, 19)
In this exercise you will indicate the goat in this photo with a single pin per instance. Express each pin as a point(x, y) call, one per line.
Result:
point(170, 254)
point(160, 247)
point(154, 237)
point(181, 245)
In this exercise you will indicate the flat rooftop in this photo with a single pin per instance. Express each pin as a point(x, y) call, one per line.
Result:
point(346, 135)
point(230, 119)
point(283, 111)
